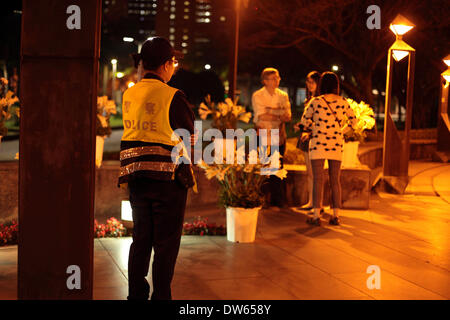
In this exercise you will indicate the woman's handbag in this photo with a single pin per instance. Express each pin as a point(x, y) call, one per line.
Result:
point(303, 145)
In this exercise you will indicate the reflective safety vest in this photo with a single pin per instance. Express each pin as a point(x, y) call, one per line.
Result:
point(147, 129)
point(146, 112)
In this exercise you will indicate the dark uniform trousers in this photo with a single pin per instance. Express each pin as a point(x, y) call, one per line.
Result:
point(158, 213)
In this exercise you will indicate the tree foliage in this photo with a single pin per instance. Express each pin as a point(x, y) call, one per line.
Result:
point(329, 32)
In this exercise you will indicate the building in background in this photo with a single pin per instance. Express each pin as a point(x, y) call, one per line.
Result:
point(201, 29)
point(192, 26)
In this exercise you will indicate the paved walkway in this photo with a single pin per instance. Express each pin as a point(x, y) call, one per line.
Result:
point(407, 236)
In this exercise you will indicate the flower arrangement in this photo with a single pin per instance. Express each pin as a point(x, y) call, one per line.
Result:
point(240, 185)
point(225, 114)
point(200, 226)
point(7, 101)
point(365, 116)
point(9, 233)
point(105, 108)
point(112, 228)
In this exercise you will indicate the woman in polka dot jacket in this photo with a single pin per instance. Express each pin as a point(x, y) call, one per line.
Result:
point(324, 118)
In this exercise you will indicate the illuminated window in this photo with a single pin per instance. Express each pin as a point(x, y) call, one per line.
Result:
point(207, 20)
point(172, 16)
point(201, 40)
point(173, 3)
point(186, 10)
point(185, 37)
point(207, 13)
point(172, 9)
point(184, 44)
point(186, 17)
point(186, 3)
point(172, 30)
point(222, 18)
point(184, 51)
point(171, 37)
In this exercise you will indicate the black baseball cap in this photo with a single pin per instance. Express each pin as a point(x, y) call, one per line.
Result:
point(155, 52)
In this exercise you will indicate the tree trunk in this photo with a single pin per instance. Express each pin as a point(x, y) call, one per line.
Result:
point(364, 79)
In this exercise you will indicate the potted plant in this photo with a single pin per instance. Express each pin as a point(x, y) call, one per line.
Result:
point(354, 136)
point(7, 100)
point(225, 115)
point(240, 192)
point(105, 108)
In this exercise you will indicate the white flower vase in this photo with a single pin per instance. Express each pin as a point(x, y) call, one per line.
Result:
point(241, 224)
point(350, 155)
point(99, 150)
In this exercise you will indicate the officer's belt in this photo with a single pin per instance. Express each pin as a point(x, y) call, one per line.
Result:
point(148, 166)
point(143, 151)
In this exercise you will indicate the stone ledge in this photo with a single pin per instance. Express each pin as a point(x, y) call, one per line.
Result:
point(108, 197)
point(355, 183)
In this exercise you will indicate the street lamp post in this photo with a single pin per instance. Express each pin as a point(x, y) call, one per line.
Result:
point(113, 84)
point(396, 149)
point(234, 61)
point(443, 127)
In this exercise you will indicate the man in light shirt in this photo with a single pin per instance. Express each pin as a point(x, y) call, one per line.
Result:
point(272, 109)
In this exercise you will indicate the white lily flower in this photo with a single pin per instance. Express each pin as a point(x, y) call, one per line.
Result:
point(282, 173)
point(245, 117)
point(223, 108)
point(253, 157)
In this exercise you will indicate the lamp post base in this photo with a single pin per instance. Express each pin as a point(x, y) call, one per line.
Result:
point(394, 184)
point(441, 156)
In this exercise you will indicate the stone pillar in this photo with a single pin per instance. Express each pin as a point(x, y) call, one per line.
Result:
point(443, 127)
point(59, 79)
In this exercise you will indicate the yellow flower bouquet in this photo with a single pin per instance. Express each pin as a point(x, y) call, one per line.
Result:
point(365, 121)
point(105, 108)
point(7, 101)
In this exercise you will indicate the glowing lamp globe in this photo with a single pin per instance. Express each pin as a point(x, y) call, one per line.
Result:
point(400, 25)
point(446, 75)
point(447, 60)
point(399, 54)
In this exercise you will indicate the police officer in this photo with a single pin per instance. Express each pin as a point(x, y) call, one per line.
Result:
point(152, 110)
